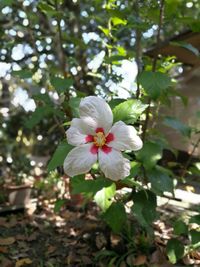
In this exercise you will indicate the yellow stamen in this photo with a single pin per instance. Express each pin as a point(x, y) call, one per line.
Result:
point(99, 139)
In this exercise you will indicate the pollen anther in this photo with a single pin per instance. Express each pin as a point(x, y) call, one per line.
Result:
point(99, 139)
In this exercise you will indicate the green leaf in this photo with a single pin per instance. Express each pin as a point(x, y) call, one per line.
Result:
point(118, 21)
point(187, 46)
point(60, 84)
point(58, 204)
point(74, 105)
point(128, 111)
point(114, 59)
point(6, 3)
point(44, 98)
point(175, 250)
point(194, 236)
point(106, 31)
point(103, 198)
point(144, 207)
point(115, 217)
point(180, 227)
point(160, 181)
point(195, 219)
point(38, 115)
point(177, 125)
point(59, 155)
point(149, 154)
point(154, 83)
point(80, 185)
point(23, 74)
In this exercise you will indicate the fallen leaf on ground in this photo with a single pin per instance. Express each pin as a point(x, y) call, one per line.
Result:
point(141, 259)
point(3, 249)
point(22, 262)
point(7, 241)
point(51, 249)
point(6, 263)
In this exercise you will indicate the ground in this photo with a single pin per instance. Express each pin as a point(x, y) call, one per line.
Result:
point(39, 237)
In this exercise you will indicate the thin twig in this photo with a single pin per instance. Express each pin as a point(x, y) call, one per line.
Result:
point(189, 159)
point(138, 47)
point(161, 17)
point(62, 58)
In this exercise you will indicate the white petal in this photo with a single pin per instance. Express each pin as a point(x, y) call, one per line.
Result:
point(114, 165)
point(84, 126)
point(75, 137)
point(98, 110)
point(125, 137)
point(79, 160)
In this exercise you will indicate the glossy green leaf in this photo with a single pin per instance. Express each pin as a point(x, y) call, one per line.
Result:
point(160, 181)
point(177, 125)
point(59, 155)
point(38, 115)
point(58, 204)
point(80, 185)
point(175, 250)
point(144, 208)
point(180, 227)
point(23, 74)
point(115, 216)
point(149, 154)
point(195, 236)
point(187, 46)
point(61, 85)
point(195, 219)
point(128, 111)
point(118, 21)
point(154, 83)
point(103, 198)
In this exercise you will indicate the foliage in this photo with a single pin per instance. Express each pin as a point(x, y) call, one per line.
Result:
point(60, 51)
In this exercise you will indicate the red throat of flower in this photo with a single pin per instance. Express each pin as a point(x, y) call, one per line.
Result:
point(100, 141)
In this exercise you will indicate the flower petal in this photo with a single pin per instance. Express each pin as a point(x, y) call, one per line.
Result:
point(84, 126)
point(114, 165)
point(98, 111)
point(79, 160)
point(75, 137)
point(125, 137)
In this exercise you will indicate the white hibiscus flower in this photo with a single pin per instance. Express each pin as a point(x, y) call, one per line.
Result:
point(96, 139)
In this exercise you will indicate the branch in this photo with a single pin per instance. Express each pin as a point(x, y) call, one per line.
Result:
point(160, 24)
point(190, 158)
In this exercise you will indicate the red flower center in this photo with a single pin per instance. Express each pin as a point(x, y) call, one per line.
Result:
point(100, 140)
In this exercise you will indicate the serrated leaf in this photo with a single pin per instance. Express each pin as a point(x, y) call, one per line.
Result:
point(58, 204)
point(177, 125)
point(149, 154)
point(103, 198)
point(180, 227)
point(175, 250)
point(115, 217)
point(80, 185)
point(128, 111)
point(160, 181)
point(59, 155)
point(61, 84)
point(154, 83)
point(195, 219)
point(144, 207)
point(195, 236)
point(38, 115)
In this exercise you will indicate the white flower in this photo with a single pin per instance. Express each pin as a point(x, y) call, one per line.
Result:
point(96, 139)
